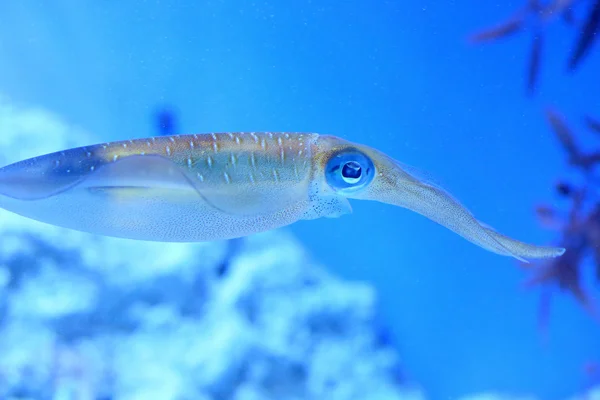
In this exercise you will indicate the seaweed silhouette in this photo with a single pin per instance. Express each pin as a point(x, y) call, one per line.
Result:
point(535, 16)
point(579, 225)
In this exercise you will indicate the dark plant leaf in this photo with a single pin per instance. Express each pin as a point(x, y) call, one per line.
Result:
point(503, 30)
point(549, 218)
point(587, 36)
point(592, 124)
point(534, 63)
point(564, 134)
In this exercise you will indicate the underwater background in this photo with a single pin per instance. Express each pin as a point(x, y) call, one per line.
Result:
point(386, 303)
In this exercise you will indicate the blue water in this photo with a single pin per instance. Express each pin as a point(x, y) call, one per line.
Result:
point(399, 76)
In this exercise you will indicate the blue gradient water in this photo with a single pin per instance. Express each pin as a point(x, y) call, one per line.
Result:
point(399, 76)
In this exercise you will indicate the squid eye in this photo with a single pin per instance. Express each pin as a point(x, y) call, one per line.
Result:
point(349, 170)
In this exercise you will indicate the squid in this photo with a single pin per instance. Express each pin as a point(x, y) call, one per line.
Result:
point(216, 186)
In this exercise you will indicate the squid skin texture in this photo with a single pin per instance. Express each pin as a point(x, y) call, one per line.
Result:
point(215, 186)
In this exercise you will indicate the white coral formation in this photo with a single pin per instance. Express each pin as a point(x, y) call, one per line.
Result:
point(591, 394)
